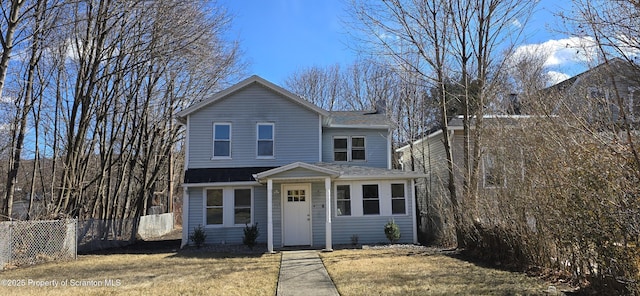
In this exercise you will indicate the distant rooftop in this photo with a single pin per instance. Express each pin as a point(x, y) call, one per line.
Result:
point(358, 118)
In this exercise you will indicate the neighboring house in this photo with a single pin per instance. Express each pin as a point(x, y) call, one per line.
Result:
point(259, 154)
point(600, 85)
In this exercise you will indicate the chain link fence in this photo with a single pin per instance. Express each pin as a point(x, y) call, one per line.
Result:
point(33, 242)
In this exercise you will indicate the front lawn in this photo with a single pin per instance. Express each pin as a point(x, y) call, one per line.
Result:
point(414, 272)
point(184, 273)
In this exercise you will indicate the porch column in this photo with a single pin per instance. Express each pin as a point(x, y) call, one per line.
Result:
point(327, 207)
point(185, 217)
point(414, 210)
point(270, 215)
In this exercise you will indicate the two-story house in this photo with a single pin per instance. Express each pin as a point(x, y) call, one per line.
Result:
point(257, 153)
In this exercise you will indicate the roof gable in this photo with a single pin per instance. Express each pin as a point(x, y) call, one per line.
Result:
point(245, 83)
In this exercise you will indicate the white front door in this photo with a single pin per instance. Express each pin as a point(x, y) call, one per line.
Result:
point(296, 223)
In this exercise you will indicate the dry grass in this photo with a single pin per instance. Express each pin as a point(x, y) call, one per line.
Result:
point(192, 273)
point(406, 272)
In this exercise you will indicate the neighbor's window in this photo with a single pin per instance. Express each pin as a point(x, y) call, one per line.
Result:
point(493, 175)
point(398, 199)
point(242, 206)
point(221, 140)
point(370, 200)
point(357, 148)
point(343, 198)
point(340, 149)
point(265, 139)
point(214, 207)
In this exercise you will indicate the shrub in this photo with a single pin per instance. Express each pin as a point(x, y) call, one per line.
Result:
point(198, 236)
point(251, 233)
point(354, 239)
point(392, 231)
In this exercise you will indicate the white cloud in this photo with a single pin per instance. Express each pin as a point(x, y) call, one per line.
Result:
point(516, 23)
point(561, 52)
point(554, 77)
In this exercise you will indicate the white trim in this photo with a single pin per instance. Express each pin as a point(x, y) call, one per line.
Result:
point(405, 193)
point(273, 140)
point(228, 206)
point(185, 217)
point(327, 225)
point(320, 138)
point(270, 215)
point(389, 150)
point(349, 149)
point(414, 210)
point(431, 135)
point(187, 139)
point(295, 165)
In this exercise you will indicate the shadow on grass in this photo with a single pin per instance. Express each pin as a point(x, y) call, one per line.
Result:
point(563, 282)
point(173, 250)
point(141, 247)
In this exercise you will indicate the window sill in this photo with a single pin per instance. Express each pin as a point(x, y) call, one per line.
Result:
point(265, 157)
point(220, 226)
point(221, 158)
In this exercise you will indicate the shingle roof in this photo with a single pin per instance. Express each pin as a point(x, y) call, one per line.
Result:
point(358, 118)
point(352, 171)
point(215, 175)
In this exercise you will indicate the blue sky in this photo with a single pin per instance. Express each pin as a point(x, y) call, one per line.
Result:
point(279, 37)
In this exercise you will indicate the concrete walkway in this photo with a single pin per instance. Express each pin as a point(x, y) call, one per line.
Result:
point(302, 273)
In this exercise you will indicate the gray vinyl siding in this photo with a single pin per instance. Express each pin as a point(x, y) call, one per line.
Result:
point(297, 173)
point(376, 145)
point(296, 130)
point(369, 229)
point(318, 212)
point(227, 235)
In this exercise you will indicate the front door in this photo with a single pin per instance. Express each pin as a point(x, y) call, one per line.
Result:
point(297, 215)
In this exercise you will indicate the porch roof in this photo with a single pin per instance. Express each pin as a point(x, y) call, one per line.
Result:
point(334, 171)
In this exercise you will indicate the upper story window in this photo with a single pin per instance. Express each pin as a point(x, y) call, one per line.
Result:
point(349, 149)
point(340, 149)
point(357, 148)
point(265, 140)
point(222, 140)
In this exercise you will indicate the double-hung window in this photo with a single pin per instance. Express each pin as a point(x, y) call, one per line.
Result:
point(493, 174)
point(357, 148)
point(222, 140)
point(349, 149)
point(265, 140)
point(215, 207)
point(398, 201)
point(343, 199)
point(340, 149)
point(370, 200)
point(242, 206)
